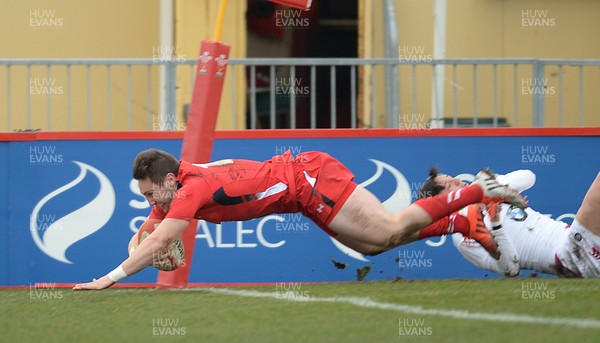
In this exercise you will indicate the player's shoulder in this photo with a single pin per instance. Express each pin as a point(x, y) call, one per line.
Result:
point(189, 172)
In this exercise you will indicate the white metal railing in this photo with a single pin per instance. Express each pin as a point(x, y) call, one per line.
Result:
point(535, 74)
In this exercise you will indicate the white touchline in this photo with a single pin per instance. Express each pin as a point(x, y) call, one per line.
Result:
point(368, 303)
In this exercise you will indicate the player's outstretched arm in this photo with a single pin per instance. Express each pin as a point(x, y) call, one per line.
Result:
point(168, 230)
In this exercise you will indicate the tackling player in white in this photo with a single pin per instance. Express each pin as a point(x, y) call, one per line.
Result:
point(530, 240)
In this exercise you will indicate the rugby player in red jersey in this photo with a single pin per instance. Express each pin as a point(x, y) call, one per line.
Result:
point(313, 183)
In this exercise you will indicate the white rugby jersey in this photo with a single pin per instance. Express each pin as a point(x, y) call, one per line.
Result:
point(535, 236)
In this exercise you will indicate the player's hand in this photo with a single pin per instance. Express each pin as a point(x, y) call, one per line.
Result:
point(95, 285)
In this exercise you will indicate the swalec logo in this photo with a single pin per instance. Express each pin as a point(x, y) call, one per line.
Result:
point(55, 235)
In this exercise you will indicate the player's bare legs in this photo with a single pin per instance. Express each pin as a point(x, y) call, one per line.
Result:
point(364, 225)
point(589, 212)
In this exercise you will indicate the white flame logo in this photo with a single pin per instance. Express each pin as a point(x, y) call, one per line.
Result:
point(73, 227)
point(399, 199)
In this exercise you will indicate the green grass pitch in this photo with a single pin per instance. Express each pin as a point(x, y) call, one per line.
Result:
point(505, 310)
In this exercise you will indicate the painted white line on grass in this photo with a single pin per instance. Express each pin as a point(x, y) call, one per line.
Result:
point(368, 303)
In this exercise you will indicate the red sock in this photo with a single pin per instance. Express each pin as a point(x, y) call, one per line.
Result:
point(442, 205)
point(446, 226)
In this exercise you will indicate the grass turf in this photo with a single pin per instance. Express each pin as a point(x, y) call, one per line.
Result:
point(142, 315)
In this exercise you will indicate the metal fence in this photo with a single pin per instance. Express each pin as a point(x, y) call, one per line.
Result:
point(477, 92)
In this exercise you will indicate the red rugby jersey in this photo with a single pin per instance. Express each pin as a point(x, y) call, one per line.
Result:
point(230, 190)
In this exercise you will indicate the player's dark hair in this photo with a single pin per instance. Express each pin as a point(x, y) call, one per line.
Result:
point(431, 187)
point(154, 164)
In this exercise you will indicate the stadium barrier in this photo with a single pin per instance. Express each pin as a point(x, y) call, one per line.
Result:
point(69, 205)
point(104, 94)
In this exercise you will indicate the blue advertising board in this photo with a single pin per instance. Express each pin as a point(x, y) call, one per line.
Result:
point(71, 206)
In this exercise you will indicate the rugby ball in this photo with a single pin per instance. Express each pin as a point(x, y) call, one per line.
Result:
point(165, 260)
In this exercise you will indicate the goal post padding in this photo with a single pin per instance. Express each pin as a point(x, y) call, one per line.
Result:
point(198, 138)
